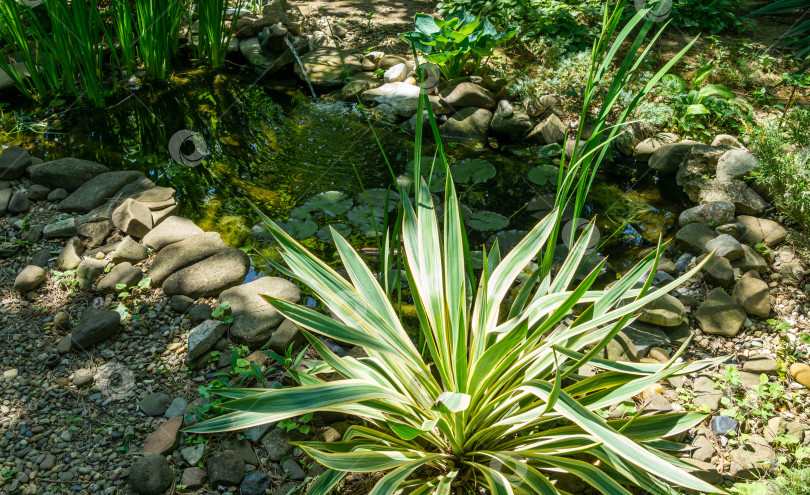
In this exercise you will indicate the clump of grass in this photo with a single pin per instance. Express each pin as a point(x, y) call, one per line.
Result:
point(214, 32)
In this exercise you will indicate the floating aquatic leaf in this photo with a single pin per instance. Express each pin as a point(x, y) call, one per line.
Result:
point(332, 203)
point(304, 212)
point(552, 150)
point(544, 174)
point(487, 220)
point(377, 197)
point(507, 239)
point(435, 180)
point(300, 229)
point(541, 202)
point(325, 233)
point(472, 171)
point(367, 218)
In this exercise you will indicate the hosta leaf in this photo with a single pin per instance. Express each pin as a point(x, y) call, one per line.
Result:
point(544, 174)
point(487, 220)
point(472, 171)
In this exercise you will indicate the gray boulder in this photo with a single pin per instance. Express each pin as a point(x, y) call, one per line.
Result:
point(726, 247)
point(95, 326)
point(549, 130)
point(254, 319)
point(204, 336)
point(29, 279)
point(666, 311)
point(700, 161)
point(184, 253)
point(735, 164)
point(94, 234)
point(714, 214)
point(718, 271)
point(720, 315)
point(468, 124)
point(644, 150)
point(13, 162)
point(133, 218)
point(67, 173)
point(467, 94)
point(753, 295)
point(151, 475)
point(694, 236)
point(71, 255)
point(122, 274)
point(18, 203)
point(750, 261)
point(96, 191)
point(761, 230)
point(89, 270)
point(62, 228)
point(170, 230)
point(668, 157)
point(129, 250)
point(517, 123)
point(210, 276)
point(745, 200)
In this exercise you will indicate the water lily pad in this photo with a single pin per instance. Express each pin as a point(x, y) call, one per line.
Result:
point(436, 179)
point(487, 220)
point(332, 203)
point(299, 229)
point(507, 239)
point(325, 232)
point(552, 150)
point(543, 202)
point(366, 218)
point(304, 212)
point(544, 174)
point(377, 197)
point(472, 171)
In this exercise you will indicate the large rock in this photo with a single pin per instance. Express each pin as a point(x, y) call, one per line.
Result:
point(719, 314)
point(735, 164)
point(666, 311)
point(225, 468)
point(122, 274)
point(549, 130)
point(694, 236)
point(746, 201)
point(210, 276)
point(761, 230)
point(753, 295)
point(752, 459)
point(718, 271)
point(66, 227)
point(133, 218)
point(151, 475)
point(89, 270)
point(29, 279)
point(516, 123)
point(468, 124)
point(325, 67)
point(18, 203)
point(94, 234)
point(467, 94)
point(644, 337)
point(287, 334)
point(713, 214)
point(165, 439)
point(181, 254)
point(644, 150)
point(725, 246)
point(171, 230)
point(71, 255)
point(13, 162)
point(129, 250)
point(204, 336)
point(667, 158)
point(96, 191)
point(750, 261)
point(700, 161)
point(67, 173)
point(254, 319)
point(95, 326)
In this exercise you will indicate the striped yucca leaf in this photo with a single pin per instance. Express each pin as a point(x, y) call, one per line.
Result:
point(493, 396)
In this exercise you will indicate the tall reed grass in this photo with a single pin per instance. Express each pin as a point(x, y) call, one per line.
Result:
point(215, 32)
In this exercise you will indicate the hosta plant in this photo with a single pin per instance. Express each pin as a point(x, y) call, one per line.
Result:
point(495, 399)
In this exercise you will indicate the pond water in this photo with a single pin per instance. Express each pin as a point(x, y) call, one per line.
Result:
point(307, 164)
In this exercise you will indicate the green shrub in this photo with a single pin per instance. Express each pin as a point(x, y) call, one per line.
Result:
point(784, 163)
point(707, 16)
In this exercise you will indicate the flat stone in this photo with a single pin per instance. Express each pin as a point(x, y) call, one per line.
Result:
point(467, 124)
point(165, 439)
point(13, 162)
point(177, 408)
point(67, 173)
point(129, 250)
point(193, 454)
point(276, 443)
point(727, 140)
point(753, 295)
point(254, 318)
point(720, 315)
point(199, 313)
point(30, 278)
point(96, 191)
point(63, 228)
point(155, 195)
point(752, 459)
point(95, 326)
point(210, 276)
point(761, 230)
point(665, 311)
point(57, 194)
point(644, 150)
point(171, 230)
point(668, 157)
point(712, 214)
point(761, 364)
point(133, 218)
point(516, 124)
point(203, 337)
point(645, 337)
point(725, 246)
point(181, 304)
point(122, 274)
point(286, 335)
point(94, 234)
point(38, 192)
point(89, 270)
point(694, 236)
point(467, 94)
point(327, 67)
point(292, 470)
point(18, 204)
point(193, 477)
point(225, 468)
point(750, 261)
point(735, 164)
point(151, 475)
point(746, 201)
point(184, 253)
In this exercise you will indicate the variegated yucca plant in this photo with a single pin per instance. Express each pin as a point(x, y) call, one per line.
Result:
point(487, 393)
